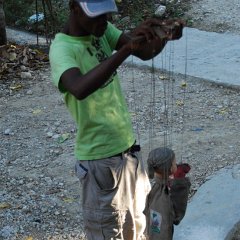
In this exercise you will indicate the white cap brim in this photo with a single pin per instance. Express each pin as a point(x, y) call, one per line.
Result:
point(94, 8)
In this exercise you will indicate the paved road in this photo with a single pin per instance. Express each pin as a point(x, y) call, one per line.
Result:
point(23, 37)
point(214, 209)
point(212, 56)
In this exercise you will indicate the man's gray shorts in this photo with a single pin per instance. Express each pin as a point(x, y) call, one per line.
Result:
point(113, 197)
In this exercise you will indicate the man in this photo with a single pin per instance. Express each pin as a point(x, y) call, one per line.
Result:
point(113, 179)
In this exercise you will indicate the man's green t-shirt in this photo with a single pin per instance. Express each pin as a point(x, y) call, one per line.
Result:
point(103, 121)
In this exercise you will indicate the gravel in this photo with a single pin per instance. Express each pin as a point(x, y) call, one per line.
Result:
point(39, 195)
point(216, 16)
point(39, 192)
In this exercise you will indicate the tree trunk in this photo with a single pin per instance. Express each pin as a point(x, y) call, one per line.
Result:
point(3, 35)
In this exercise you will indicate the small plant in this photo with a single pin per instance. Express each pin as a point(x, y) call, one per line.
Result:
point(18, 13)
point(136, 10)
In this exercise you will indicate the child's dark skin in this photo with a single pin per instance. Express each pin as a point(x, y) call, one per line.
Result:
point(80, 24)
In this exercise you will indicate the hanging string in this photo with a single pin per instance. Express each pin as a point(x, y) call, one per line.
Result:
point(172, 97)
point(168, 92)
point(168, 103)
point(136, 108)
point(152, 106)
point(184, 87)
point(168, 87)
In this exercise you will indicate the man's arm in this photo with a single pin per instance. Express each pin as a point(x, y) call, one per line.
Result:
point(82, 86)
point(149, 45)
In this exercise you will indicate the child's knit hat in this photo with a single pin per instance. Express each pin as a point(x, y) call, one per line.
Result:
point(161, 157)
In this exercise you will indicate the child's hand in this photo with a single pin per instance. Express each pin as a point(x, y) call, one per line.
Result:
point(182, 170)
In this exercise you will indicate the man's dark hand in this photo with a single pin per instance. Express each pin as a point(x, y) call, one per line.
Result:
point(150, 37)
point(155, 28)
point(146, 30)
point(170, 29)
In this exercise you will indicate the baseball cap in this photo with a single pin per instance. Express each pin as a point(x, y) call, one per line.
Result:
point(94, 8)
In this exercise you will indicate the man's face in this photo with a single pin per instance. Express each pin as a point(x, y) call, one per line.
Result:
point(95, 26)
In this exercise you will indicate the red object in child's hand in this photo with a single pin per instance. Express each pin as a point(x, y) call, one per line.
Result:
point(182, 170)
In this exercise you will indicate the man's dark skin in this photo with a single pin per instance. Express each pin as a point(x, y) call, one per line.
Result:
point(79, 24)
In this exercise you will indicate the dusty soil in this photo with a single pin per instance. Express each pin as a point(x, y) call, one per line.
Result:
point(215, 16)
point(39, 189)
point(39, 195)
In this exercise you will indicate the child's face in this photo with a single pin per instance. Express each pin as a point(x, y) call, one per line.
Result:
point(174, 166)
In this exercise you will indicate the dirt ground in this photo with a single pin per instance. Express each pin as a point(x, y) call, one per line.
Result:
point(39, 194)
point(38, 186)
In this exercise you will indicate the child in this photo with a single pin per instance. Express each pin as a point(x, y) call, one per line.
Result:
point(167, 201)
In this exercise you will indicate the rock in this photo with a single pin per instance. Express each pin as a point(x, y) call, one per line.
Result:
point(125, 20)
point(49, 134)
point(26, 75)
point(160, 11)
point(56, 136)
point(23, 68)
point(7, 231)
point(7, 131)
point(29, 92)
